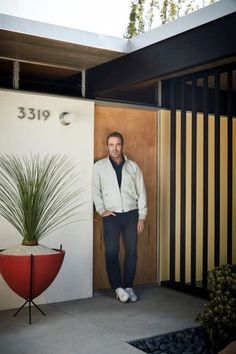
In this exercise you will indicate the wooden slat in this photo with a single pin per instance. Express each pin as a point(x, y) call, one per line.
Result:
point(217, 169)
point(172, 182)
point(194, 184)
point(183, 186)
point(205, 185)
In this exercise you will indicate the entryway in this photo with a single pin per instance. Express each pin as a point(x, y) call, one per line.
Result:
point(139, 128)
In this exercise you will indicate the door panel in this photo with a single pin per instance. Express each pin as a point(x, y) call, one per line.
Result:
point(139, 128)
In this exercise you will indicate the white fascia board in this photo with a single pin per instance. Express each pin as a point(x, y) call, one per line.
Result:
point(195, 19)
point(60, 33)
point(94, 40)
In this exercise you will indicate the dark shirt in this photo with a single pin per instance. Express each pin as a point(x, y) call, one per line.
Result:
point(118, 170)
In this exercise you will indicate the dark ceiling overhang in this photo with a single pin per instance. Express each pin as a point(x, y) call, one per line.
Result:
point(137, 73)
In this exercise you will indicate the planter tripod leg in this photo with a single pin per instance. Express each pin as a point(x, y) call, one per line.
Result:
point(30, 302)
point(39, 309)
point(30, 312)
point(20, 308)
point(32, 280)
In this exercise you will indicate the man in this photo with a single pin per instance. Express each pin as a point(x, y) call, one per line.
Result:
point(120, 198)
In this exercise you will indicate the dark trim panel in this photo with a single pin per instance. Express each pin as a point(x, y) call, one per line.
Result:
point(230, 169)
point(204, 44)
point(186, 288)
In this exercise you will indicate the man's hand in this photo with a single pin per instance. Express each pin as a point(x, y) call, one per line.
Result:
point(140, 226)
point(107, 213)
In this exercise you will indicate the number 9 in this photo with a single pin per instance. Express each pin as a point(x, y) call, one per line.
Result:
point(46, 114)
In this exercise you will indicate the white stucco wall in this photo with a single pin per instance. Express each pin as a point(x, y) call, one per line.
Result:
point(77, 141)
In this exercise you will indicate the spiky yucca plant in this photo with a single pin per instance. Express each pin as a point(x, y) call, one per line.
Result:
point(37, 194)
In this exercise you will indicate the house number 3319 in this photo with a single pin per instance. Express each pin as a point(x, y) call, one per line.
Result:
point(33, 113)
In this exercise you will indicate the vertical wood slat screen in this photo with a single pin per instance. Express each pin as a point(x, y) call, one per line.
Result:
point(210, 90)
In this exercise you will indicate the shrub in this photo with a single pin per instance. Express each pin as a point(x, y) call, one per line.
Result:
point(219, 315)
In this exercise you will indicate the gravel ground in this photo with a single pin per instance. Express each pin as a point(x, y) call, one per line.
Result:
point(187, 341)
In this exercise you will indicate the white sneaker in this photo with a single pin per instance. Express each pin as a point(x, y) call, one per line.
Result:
point(122, 295)
point(132, 296)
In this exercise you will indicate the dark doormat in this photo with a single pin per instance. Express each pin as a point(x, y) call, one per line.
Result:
point(186, 341)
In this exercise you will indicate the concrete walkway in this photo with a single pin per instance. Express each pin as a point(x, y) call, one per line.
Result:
point(98, 325)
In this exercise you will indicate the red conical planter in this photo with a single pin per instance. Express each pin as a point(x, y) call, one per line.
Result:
point(28, 276)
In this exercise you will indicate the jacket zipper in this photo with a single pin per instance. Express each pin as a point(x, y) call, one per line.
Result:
point(122, 205)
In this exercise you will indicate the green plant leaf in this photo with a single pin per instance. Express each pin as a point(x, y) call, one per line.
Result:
point(38, 195)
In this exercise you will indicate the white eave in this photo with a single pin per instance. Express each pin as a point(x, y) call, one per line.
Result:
point(60, 33)
point(47, 44)
point(195, 19)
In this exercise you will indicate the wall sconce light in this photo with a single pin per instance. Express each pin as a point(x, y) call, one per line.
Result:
point(66, 118)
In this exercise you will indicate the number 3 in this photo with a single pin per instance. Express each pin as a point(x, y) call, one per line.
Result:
point(31, 113)
point(22, 112)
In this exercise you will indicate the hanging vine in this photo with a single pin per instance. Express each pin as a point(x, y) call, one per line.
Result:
point(144, 12)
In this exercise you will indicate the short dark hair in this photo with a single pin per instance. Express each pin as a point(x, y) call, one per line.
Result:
point(116, 135)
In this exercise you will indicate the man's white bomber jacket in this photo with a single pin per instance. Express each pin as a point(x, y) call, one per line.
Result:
point(106, 192)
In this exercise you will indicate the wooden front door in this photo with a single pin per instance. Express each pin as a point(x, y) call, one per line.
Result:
point(139, 128)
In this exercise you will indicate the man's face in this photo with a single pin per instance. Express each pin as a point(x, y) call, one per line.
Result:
point(114, 147)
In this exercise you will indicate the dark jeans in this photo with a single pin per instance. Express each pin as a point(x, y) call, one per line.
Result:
point(124, 224)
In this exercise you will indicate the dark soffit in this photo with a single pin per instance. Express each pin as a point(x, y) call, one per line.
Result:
point(206, 46)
